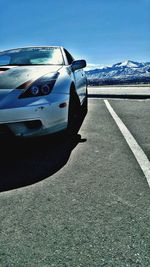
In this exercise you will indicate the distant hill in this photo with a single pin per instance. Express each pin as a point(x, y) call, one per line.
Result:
point(126, 72)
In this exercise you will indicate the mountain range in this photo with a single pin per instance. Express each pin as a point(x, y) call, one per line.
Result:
point(123, 72)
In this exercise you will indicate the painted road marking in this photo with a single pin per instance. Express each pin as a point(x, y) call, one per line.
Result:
point(134, 146)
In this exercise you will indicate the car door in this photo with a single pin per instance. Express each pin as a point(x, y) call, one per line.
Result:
point(79, 78)
point(80, 81)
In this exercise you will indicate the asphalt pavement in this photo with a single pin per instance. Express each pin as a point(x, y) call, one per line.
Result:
point(78, 202)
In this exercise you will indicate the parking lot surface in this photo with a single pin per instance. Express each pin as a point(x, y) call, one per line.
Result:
point(83, 201)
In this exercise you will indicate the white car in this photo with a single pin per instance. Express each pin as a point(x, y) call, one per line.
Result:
point(43, 90)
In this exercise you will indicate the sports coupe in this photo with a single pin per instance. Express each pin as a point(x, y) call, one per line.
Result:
point(43, 90)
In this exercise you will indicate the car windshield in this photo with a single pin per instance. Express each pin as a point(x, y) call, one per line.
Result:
point(32, 56)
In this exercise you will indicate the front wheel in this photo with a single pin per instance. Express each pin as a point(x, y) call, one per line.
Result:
point(74, 113)
point(85, 105)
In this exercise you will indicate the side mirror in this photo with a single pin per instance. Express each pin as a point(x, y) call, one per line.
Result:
point(78, 64)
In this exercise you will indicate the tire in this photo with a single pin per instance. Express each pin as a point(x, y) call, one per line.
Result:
point(85, 105)
point(74, 113)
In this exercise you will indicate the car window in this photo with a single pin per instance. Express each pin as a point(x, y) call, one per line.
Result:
point(69, 57)
point(32, 56)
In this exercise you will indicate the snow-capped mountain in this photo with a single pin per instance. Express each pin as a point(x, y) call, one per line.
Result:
point(122, 71)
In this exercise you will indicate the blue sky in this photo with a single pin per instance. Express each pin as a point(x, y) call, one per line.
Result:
point(101, 31)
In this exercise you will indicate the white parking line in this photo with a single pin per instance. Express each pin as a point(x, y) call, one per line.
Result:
point(134, 146)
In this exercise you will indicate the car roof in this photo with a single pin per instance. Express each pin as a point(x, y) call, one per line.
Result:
point(41, 46)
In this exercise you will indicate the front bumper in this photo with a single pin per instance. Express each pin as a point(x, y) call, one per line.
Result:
point(33, 120)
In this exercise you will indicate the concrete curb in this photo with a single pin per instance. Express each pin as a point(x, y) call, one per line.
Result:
point(119, 96)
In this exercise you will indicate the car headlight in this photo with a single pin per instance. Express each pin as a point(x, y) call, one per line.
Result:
point(41, 87)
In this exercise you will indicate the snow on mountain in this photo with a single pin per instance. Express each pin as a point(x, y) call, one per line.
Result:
point(129, 64)
point(122, 70)
point(91, 66)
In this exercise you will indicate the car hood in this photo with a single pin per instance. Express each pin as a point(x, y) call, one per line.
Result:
point(13, 77)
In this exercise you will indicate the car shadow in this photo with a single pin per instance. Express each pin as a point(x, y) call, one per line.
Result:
point(27, 161)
